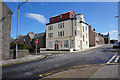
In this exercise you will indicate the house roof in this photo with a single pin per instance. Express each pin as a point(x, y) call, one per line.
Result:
point(31, 36)
point(21, 38)
point(39, 35)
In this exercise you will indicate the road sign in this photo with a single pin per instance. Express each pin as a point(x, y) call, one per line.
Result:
point(59, 42)
point(16, 41)
point(36, 41)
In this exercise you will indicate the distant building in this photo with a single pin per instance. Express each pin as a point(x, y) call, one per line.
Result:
point(67, 31)
point(41, 40)
point(30, 38)
point(107, 39)
point(95, 38)
point(5, 30)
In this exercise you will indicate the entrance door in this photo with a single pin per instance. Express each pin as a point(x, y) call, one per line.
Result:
point(56, 46)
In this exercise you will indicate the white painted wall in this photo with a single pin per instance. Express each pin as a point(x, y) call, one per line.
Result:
point(69, 29)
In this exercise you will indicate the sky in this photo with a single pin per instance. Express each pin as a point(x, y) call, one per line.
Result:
point(35, 15)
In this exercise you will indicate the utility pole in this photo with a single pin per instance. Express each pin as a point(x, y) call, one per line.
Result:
point(18, 25)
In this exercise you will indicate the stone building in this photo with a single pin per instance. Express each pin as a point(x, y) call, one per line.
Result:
point(41, 37)
point(30, 38)
point(107, 39)
point(5, 30)
point(95, 38)
point(67, 31)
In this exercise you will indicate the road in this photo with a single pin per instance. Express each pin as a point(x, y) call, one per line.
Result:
point(56, 62)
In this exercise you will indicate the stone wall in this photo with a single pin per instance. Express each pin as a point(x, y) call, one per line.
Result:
point(0, 30)
point(20, 54)
point(6, 29)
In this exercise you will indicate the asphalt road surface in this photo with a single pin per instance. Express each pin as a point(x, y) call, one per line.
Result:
point(56, 62)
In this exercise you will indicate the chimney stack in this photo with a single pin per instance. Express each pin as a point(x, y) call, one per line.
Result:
point(90, 27)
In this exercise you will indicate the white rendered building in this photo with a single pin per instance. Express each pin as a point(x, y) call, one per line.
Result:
point(67, 31)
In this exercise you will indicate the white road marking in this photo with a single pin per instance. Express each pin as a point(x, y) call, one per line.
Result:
point(116, 59)
point(112, 58)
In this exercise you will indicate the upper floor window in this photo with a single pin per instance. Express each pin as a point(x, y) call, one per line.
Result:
point(86, 28)
point(83, 28)
point(75, 32)
point(75, 23)
point(58, 17)
point(61, 25)
point(83, 38)
point(86, 35)
point(50, 35)
point(52, 19)
point(50, 27)
point(61, 33)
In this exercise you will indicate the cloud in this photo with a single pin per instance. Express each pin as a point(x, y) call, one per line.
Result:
point(113, 34)
point(37, 17)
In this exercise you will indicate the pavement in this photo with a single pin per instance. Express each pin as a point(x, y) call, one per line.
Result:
point(89, 72)
point(20, 60)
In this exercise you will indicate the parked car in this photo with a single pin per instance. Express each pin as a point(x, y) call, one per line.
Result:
point(116, 45)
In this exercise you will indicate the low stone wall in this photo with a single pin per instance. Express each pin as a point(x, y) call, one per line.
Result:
point(20, 54)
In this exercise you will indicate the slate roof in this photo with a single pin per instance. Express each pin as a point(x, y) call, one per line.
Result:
point(39, 35)
point(31, 36)
point(21, 38)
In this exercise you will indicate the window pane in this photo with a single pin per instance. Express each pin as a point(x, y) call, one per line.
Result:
point(66, 43)
point(72, 44)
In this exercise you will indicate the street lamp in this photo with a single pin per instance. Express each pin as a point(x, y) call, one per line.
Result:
point(118, 28)
point(18, 24)
point(116, 16)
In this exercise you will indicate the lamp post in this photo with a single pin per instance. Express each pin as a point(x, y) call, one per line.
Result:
point(17, 25)
point(118, 27)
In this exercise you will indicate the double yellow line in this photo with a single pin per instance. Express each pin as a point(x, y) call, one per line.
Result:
point(23, 61)
point(74, 67)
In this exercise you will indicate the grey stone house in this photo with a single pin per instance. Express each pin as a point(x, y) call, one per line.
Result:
point(26, 39)
point(30, 38)
point(5, 30)
point(41, 40)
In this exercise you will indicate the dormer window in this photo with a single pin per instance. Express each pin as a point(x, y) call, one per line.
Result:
point(52, 19)
point(71, 15)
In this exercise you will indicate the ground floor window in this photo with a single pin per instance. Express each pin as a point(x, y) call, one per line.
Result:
point(66, 43)
point(72, 44)
point(50, 44)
